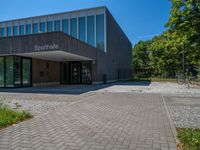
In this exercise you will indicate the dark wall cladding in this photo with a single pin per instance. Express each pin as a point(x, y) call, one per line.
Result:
point(62, 41)
point(45, 71)
point(119, 51)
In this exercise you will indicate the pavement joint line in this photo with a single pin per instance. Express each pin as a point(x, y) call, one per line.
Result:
point(79, 127)
point(72, 103)
point(172, 126)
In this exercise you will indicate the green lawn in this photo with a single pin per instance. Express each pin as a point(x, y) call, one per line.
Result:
point(190, 138)
point(9, 116)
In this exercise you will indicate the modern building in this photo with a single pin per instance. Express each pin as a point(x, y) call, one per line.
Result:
point(78, 47)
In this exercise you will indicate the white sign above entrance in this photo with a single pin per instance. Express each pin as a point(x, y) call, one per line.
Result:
point(46, 47)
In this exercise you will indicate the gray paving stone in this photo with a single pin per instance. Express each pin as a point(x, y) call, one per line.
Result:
point(107, 121)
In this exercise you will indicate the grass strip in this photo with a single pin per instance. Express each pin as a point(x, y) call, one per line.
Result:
point(190, 138)
point(9, 116)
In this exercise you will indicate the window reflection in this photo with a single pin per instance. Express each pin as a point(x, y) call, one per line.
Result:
point(42, 27)
point(15, 30)
point(86, 73)
point(9, 67)
point(35, 28)
point(57, 25)
point(73, 27)
point(1, 71)
point(2, 32)
point(17, 71)
point(76, 27)
point(90, 30)
point(50, 26)
point(28, 29)
point(26, 72)
point(9, 31)
point(65, 26)
point(82, 29)
point(21, 30)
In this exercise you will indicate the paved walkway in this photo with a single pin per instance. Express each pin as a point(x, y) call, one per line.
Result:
point(164, 88)
point(107, 121)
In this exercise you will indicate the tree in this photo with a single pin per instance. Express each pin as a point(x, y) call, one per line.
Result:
point(184, 23)
point(164, 57)
point(141, 57)
point(164, 52)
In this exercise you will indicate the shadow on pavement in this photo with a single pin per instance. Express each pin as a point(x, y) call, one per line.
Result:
point(71, 89)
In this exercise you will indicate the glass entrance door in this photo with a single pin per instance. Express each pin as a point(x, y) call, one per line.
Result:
point(26, 72)
point(86, 73)
point(65, 73)
point(75, 72)
point(9, 71)
point(2, 72)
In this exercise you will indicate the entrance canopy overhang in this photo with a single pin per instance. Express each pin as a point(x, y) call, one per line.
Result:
point(56, 46)
point(59, 56)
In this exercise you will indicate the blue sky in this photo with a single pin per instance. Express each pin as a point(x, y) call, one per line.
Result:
point(139, 19)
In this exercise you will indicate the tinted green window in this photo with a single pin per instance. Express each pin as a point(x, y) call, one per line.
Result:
point(35, 28)
point(42, 27)
point(17, 71)
point(65, 26)
point(21, 30)
point(9, 31)
point(57, 25)
point(28, 28)
point(50, 26)
point(9, 71)
point(1, 71)
point(100, 32)
point(26, 72)
point(15, 30)
point(90, 30)
point(73, 27)
point(2, 32)
point(82, 29)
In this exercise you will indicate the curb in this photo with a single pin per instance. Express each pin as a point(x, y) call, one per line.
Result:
point(173, 128)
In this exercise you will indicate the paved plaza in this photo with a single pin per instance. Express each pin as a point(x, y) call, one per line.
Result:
point(90, 118)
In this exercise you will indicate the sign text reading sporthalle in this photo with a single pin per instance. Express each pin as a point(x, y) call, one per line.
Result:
point(46, 47)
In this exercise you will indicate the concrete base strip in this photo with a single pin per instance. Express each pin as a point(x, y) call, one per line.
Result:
point(173, 128)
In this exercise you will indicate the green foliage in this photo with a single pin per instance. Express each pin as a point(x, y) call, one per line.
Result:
point(184, 23)
point(9, 116)
point(190, 138)
point(163, 54)
point(141, 57)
